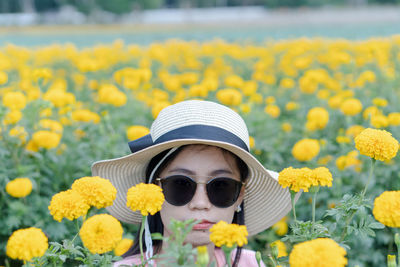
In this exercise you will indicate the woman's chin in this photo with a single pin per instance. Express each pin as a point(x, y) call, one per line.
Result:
point(198, 238)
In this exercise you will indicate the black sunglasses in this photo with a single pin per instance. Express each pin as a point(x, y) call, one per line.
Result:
point(180, 189)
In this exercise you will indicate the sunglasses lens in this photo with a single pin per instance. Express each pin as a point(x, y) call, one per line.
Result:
point(178, 190)
point(223, 192)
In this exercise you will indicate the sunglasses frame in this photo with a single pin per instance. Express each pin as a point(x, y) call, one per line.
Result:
point(159, 179)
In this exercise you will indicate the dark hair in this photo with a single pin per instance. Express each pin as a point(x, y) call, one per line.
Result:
point(155, 222)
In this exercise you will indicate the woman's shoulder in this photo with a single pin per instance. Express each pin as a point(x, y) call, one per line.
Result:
point(129, 261)
point(247, 258)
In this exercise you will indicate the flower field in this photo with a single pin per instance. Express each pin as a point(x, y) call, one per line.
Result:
point(305, 102)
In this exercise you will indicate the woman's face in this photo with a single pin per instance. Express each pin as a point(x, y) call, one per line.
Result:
point(201, 163)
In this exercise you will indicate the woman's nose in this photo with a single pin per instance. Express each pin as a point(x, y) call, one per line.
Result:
point(200, 199)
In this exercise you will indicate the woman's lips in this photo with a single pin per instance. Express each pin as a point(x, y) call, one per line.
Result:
point(203, 225)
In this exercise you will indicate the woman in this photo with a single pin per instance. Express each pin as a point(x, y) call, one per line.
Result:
point(198, 152)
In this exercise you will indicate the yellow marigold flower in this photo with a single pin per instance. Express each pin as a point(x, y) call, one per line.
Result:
point(85, 115)
point(394, 118)
point(287, 83)
point(51, 125)
point(379, 121)
point(59, 98)
point(28, 243)
point(371, 111)
point(234, 81)
point(351, 106)
point(377, 144)
point(12, 117)
point(136, 131)
point(321, 176)
point(270, 100)
point(343, 139)
point(68, 204)
point(123, 246)
point(3, 77)
point(245, 108)
point(147, 198)
point(229, 97)
point(306, 149)
point(295, 179)
point(229, 235)
point(32, 146)
point(157, 107)
point(252, 142)
point(354, 130)
point(18, 132)
point(14, 100)
point(281, 227)
point(109, 94)
point(319, 117)
point(323, 94)
point(42, 73)
point(97, 191)
point(46, 139)
point(335, 101)
point(387, 208)
point(291, 106)
point(318, 252)
point(101, 233)
point(286, 127)
point(281, 248)
point(380, 102)
point(304, 178)
point(324, 160)
point(273, 111)
point(19, 187)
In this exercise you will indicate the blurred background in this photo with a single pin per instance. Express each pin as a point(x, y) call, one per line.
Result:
point(88, 22)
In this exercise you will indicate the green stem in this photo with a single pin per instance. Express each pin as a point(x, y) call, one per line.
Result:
point(141, 237)
point(227, 251)
point(397, 242)
point(314, 200)
point(273, 261)
point(292, 195)
point(371, 174)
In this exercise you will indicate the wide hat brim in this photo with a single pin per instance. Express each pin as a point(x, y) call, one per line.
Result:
point(265, 201)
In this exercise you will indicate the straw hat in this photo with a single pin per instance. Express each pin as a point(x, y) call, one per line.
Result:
point(198, 122)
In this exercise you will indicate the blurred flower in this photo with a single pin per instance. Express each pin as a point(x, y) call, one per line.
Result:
point(269, 100)
point(229, 235)
point(316, 252)
point(12, 117)
point(273, 111)
point(85, 115)
point(281, 227)
point(252, 142)
point(25, 244)
point(123, 246)
point(157, 107)
point(68, 204)
point(18, 132)
point(46, 139)
point(19, 187)
point(351, 107)
point(109, 94)
point(377, 144)
point(343, 139)
point(147, 198)
point(354, 130)
point(136, 131)
point(305, 149)
point(379, 121)
point(281, 248)
point(3, 77)
point(101, 233)
point(291, 106)
point(286, 127)
point(380, 102)
point(387, 208)
point(371, 111)
point(229, 97)
point(51, 125)
point(349, 160)
point(202, 256)
point(14, 100)
point(97, 191)
point(317, 118)
point(394, 119)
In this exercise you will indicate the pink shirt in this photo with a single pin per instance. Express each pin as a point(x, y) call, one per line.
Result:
point(247, 259)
